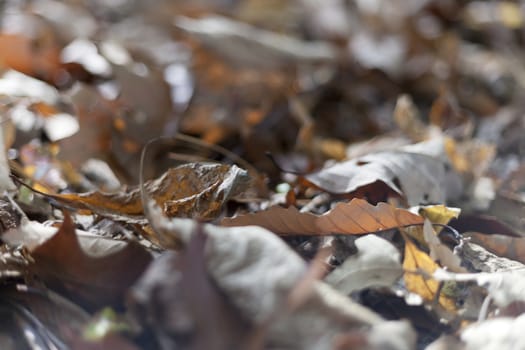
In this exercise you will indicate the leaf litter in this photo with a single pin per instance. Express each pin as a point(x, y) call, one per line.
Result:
point(391, 117)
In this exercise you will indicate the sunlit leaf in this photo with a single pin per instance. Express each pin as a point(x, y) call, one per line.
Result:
point(355, 217)
point(419, 268)
point(193, 190)
point(419, 177)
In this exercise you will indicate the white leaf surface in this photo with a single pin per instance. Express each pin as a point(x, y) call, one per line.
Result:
point(377, 263)
point(257, 271)
point(495, 334)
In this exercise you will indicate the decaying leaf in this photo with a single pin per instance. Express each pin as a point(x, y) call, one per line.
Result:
point(195, 190)
point(479, 259)
point(96, 276)
point(420, 178)
point(505, 287)
point(184, 306)
point(495, 334)
point(417, 264)
point(509, 247)
point(355, 217)
point(257, 271)
point(377, 263)
point(440, 252)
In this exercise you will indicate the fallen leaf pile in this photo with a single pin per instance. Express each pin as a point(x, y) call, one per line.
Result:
point(262, 174)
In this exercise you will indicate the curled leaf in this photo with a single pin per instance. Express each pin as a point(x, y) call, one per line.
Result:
point(195, 190)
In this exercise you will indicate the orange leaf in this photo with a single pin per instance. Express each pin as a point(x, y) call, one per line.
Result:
point(355, 217)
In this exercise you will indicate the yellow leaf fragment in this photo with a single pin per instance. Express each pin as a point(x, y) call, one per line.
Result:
point(439, 214)
point(418, 267)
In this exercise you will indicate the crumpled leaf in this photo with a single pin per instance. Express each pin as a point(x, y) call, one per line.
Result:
point(377, 263)
point(416, 264)
point(192, 310)
point(420, 178)
point(495, 334)
point(257, 271)
point(98, 275)
point(505, 287)
point(440, 252)
point(355, 217)
point(192, 190)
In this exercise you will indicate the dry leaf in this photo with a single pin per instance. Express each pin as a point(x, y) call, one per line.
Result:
point(31, 56)
point(257, 271)
point(184, 305)
point(495, 334)
point(439, 214)
point(97, 280)
point(195, 190)
point(417, 264)
point(440, 252)
point(509, 247)
point(355, 217)
point(420, 178)
point(377, 263)
point(505, 287)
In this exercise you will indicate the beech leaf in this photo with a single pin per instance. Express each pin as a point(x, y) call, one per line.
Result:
point(355, 217)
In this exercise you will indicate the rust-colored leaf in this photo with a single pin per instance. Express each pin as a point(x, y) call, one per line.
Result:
point(355, 217)
point(509, 247)
point(96, 280)
point(195, 190)
point(38, 59)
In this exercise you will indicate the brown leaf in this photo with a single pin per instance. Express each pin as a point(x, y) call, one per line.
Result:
point(504, 246)
point(355, 217)
point(64, 265)
point(195, 190)
point(32, 57)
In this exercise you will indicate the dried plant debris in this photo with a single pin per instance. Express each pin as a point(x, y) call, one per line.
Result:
point(378, 200)
point(195, 190)
point(240, 257)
